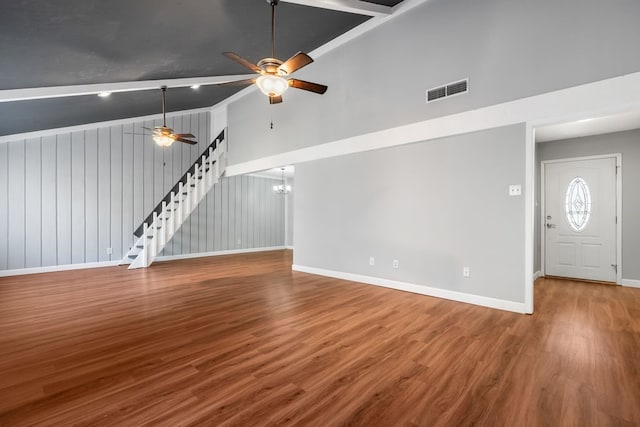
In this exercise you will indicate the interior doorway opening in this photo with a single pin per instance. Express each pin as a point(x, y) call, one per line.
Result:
point(613, 141)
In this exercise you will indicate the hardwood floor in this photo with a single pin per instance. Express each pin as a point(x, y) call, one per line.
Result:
point(241, 340)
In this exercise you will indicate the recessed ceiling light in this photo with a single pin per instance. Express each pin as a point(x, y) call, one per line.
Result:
point(195, 86)
point(104, 94)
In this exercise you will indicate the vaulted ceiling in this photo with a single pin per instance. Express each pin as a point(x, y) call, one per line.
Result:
point(46, 43)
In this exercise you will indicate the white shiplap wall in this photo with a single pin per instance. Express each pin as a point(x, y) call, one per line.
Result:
point(66, 198)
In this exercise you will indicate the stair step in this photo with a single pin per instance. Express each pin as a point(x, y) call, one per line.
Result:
point(140, 246)
point(133, 256)
point(149, 237)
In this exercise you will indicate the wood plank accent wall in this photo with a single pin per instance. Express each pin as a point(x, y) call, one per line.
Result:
point(66, 198)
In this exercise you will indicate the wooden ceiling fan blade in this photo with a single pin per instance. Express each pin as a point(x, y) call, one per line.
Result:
point(185, 135)
point(186, 141)
point(309, 86)
point(296, 62)
point(242, 61)
point(275, 99)
point(243, 82)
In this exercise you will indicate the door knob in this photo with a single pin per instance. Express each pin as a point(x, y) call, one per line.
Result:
point(551, 225)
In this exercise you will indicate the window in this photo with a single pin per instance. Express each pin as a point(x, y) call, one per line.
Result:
point(578, 204)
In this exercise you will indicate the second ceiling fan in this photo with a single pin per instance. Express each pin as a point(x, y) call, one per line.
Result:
point(272, 81)
point(164, 135)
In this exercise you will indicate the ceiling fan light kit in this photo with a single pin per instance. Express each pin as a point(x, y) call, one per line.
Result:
point(163, 139)
point(272, 85)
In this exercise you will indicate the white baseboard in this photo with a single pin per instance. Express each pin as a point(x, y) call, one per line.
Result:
point(537, 275)
point(631, 283)
point(517, 307)
point(53, 268)
point(289, 247)
point(217, 253)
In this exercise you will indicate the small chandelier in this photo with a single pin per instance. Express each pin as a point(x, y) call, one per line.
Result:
point(282, 188)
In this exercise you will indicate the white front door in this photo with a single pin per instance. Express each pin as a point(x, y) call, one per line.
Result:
point(580, 219)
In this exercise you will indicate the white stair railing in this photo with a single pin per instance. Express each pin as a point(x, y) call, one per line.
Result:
point(163, 226)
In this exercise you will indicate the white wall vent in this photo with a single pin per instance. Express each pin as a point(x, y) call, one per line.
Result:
point(451, 89)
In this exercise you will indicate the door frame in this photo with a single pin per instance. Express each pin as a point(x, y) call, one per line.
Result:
point(618, 158)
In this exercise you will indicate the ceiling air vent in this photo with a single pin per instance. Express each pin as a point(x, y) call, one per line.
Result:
point(455, 88)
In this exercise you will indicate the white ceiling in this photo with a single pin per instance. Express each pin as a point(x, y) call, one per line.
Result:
point(589, 126)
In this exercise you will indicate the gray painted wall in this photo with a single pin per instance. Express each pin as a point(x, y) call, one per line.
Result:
point(239, 212)
point(436, 206)
point(628, 144)
point(65, 199)
point(509, 49)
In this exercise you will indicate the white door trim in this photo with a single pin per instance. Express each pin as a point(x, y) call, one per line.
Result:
point(618, 158)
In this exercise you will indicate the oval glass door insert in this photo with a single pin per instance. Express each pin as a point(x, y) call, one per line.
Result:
point(578, 204)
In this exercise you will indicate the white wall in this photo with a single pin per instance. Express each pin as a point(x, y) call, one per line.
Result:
point(509, 49)
point(65, 198)
point(628, 144)
point(435, 206)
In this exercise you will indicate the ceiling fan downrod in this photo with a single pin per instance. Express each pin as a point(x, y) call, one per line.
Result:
point(164, 106)
point(273, 4)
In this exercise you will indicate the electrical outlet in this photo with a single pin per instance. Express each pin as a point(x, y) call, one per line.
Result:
point(396, 264)
point(466, 272)
point(372, 260)
point(109, 251)
point(515, 190)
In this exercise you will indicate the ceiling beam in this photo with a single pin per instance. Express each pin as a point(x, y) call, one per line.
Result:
point(350, 6)
point(9, 95)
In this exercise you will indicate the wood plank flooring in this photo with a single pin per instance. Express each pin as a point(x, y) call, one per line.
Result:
point(241, 340)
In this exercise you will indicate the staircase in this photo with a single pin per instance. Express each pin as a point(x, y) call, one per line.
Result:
point(174, 209)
